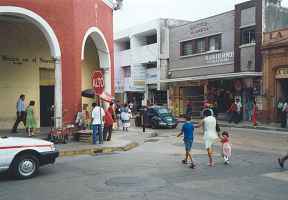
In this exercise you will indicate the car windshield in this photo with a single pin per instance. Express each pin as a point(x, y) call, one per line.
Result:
point(163, 111)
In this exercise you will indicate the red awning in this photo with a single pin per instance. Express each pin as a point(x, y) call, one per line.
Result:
point(106, 97)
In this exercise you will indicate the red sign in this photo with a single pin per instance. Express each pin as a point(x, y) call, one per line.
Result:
point(98, 82)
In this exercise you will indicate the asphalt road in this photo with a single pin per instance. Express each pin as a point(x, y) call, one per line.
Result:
point(154, 171)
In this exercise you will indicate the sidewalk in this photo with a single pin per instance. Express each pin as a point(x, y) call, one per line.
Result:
point(117, 143)
point(248, 125)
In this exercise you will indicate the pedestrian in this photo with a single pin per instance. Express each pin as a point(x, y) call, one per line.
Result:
point(145, 119)
point(226, 147)
point(284, 112)
point(210, 135)
point(189, 109)
point(118, 114)
point(31, 123)
point(249, 109)
point(232, 111)
point(98, 115)
point(188, 131)
point(238, 110)
point(282, 160)
point(125, 117)
point(254, 113)
point(112, 111)
point(21, 113)
point(108, 125)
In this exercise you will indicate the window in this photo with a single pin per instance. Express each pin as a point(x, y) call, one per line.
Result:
point(186, 48)
point(200, 45)
point(248, 35)
point(152, 39)
point(214, 42)
point(127, 72)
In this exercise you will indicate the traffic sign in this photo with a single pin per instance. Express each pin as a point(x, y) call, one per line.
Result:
point(98, 82)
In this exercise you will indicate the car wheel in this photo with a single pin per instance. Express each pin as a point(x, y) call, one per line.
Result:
point(25, 166)
point(153, 125)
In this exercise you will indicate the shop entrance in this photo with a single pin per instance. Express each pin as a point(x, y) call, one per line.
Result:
point(282, 88)
point(46, 102)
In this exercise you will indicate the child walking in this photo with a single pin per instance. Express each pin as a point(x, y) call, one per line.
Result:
point(188, 130)
point(226, 147)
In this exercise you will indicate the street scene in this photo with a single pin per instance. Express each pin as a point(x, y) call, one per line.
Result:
point(153, 170)
point(133, 99)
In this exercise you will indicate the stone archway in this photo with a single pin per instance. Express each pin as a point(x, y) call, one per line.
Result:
point(54, 46)
point(103, 53)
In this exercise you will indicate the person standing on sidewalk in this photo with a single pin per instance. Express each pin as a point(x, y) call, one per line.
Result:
point(21, 113)
point(108, 125)
point(284, 114)
point(97, 120)
point(254, 113)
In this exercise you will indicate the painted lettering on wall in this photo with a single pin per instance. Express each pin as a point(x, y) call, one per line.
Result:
point(19, 61)
point(199, 28)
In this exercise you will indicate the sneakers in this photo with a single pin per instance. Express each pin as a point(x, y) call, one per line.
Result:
point(184, 162)
point(192, 166)
point(280, 163)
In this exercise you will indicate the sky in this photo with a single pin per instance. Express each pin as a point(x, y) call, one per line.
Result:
point(136, 12)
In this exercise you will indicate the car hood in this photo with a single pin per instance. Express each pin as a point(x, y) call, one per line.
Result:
point(168, 118)
point(16, 141)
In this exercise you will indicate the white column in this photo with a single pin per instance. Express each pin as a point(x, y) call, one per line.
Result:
point(58, 93)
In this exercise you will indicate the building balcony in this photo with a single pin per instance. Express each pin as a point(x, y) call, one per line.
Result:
point(144, 54)
point(124, 58)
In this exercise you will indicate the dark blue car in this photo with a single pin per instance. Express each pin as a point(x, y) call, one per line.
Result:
point(160, 117)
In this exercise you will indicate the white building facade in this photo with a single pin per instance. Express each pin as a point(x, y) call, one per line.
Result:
point(141, 60)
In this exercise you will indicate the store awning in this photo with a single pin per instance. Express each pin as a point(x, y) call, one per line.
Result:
point(90, 93)
point(215, 76)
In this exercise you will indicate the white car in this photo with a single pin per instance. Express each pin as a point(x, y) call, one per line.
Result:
point(21, 157)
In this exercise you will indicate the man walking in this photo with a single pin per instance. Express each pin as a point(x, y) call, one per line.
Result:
point(21, 113)
point(97, 120)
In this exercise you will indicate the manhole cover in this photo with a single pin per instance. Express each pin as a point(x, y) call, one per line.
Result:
point(136, 182)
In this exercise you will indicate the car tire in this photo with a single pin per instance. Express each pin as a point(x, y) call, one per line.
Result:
point(153, 125)
point(25, 166)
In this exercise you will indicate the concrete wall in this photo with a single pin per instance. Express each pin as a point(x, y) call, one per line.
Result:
point(194, 65)
point(23, 41)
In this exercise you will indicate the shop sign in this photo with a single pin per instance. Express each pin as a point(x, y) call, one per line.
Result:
point(219, 57)
point(282, 73)
point(201, 27)
point(98, 82)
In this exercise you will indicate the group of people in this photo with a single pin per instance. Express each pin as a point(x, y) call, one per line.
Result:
point(115, 115)
point(282, 108)
point(25, 115)
point(211, 132)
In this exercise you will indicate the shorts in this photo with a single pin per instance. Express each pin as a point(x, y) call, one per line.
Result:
point(188, 144)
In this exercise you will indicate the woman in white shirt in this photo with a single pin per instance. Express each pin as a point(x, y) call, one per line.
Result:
point(210, 133)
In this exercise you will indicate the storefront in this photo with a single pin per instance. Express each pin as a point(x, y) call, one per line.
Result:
point(44, 57)
point(275, 54)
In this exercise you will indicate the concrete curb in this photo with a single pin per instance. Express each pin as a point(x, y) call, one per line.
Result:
point(95, 150)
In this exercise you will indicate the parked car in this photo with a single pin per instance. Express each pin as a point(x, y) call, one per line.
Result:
point(160, 117)
point(21, 157)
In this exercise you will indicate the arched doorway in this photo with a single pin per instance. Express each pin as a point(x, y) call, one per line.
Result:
point(30, 59)
point(95, 54)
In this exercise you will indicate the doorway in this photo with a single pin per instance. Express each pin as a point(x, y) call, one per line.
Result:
point(46, 101)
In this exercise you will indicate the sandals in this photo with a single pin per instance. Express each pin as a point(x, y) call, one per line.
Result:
point(184, 162)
